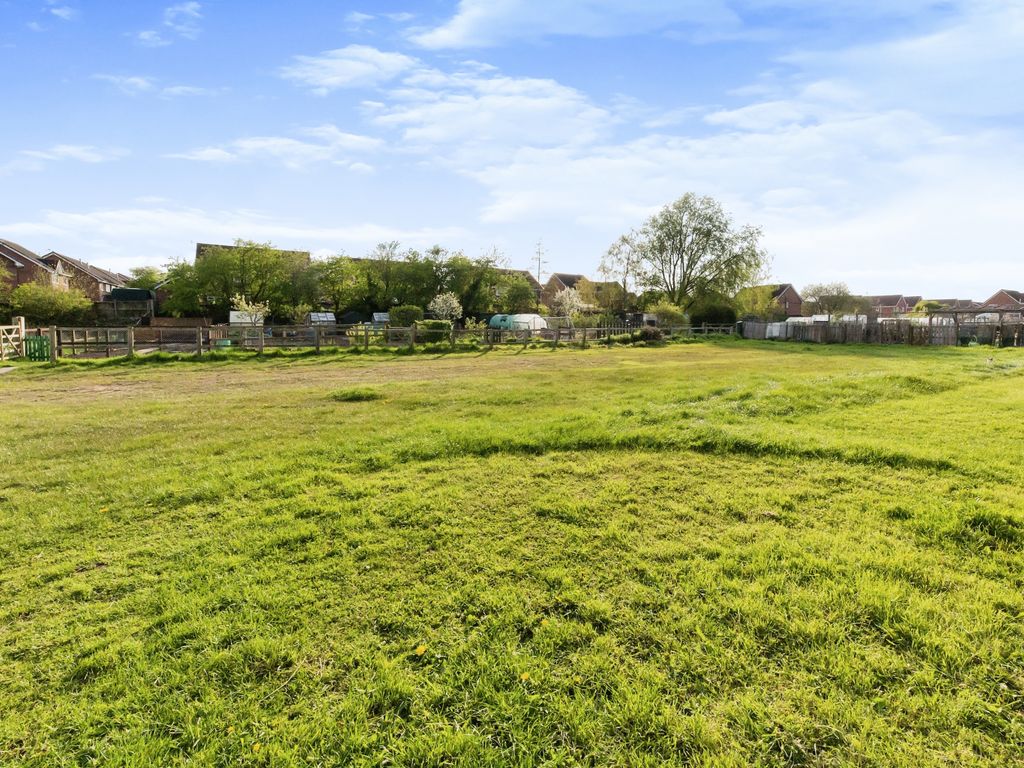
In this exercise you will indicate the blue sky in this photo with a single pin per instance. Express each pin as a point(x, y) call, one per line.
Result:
point(876, 142)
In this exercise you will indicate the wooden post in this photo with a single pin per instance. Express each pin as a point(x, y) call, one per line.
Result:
point(366, 338)
point(584, 338)
point(316, 337)
point(453, 335)
point(199, 342)
point(259, 342)
point(412, 336)
point(130, 331)
point(53, 344)
point(160, 339)
point(558, 335)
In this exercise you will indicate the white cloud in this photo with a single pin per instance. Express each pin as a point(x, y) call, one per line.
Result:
point(172, 91)
point(331, 146)
point(180, 20)
point(183, 19)
point(116, 237)
point(62, 12)
point(482, 23)
point(150, 38)
point(353, 66)
point(34, 160)
point(130, 84)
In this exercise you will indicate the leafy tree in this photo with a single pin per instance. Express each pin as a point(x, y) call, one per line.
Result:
point(6, 284)
point(925, 306)
point(446, 306)
point(757, 301)
point(567, 302)
point(342, 281)
point(515, 294)
point(827, 299)
point(668, 313)
point(146, 277)
point(257, 271)
point(691, 248)
point(621, 263)
point(44, 304)
point(712, 313)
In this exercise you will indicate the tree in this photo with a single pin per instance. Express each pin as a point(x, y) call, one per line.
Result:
point(342, 282)
point(827, 299)
point(566, 303)
point(43, 304)
point(620, 263)
point(446, 306)
point(6, 285)
point(515, 294)
point(758, 301)
point(926, 306)
point(691, 248)
point(255, 311)
point(146, 277)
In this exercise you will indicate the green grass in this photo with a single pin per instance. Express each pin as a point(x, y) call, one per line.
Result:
point(723, 553)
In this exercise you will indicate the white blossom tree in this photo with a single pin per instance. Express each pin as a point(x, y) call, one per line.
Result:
point(566, 302)
point(445, 306)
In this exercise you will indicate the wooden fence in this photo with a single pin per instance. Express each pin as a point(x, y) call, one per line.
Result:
point(889, 332)
point(116, 342)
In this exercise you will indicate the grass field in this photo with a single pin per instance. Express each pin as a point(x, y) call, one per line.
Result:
point(728, 553)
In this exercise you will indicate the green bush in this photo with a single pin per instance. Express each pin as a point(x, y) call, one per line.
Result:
point(649, 334)
point(405, 316)
point(713, 314)
point(668, 313)
point(429, 331)
point(44, 304)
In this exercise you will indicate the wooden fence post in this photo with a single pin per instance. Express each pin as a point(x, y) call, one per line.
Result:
point(199, 342)
point(53, 344)
point(453, 335)
point(20, 349)
point(130, 330)
point(412, 336)
point(316, 337)
point(259, 343)
point(584, 338)
point(366, 338)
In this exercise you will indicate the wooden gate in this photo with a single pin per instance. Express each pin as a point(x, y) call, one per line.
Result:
point(12, 340)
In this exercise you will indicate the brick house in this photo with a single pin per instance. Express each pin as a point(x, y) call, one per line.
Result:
point(1006, 299)
point(594, 293)
point(94, 282)
point(27, 267)
point(889, 305)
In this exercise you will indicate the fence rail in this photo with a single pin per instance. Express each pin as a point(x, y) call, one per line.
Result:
point(890, 332)
point(116, 342)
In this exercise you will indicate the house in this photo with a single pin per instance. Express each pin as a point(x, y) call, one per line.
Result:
point(889, 305)
point(1012, 301)
point(27, 267)
point(94, 282)
point(559, 281)
point(594, 293)
point(912, 301)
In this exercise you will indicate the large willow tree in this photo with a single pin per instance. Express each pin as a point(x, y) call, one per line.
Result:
point(691, 249)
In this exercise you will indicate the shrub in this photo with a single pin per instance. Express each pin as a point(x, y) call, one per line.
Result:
point(405, 316)
point(44, 304)
point(713, 314)
point(430, 331)
point(446, 306)
point(649, 334)
point(668, 313)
